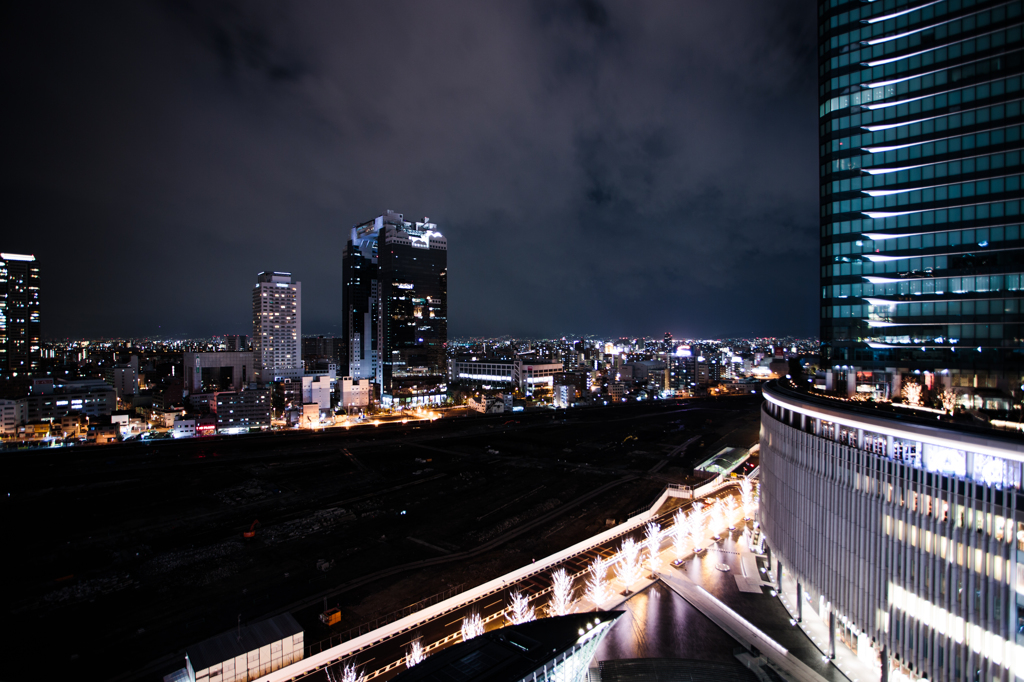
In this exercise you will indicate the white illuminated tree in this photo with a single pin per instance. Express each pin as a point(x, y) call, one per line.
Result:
point(520, 611)
point(730, 512)
point(349, 673)
point(716, 521)
point(912, 392)
point(747, 496)
point(597, 584)
point(415, 655)
point(627, 568)
point(680, 533)
point(562, 593)
point(949, 399)
point(472, 626)
point(652, 543)
point(696, 527)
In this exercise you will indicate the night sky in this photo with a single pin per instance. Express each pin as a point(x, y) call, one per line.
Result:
point(622, 168)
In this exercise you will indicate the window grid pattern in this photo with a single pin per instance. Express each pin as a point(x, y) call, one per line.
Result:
point(922, 563)
point(920, 134)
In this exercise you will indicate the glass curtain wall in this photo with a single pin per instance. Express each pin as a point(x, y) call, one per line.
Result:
point(922, 250)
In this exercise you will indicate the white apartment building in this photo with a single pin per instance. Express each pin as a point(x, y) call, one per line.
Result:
point(355, 392)
point(184, 428)
point(317, 390)
point(276, 327)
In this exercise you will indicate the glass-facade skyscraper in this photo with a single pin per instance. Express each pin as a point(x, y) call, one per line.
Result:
point(922, 250)
point(395, 299)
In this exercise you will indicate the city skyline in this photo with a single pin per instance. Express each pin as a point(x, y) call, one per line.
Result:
point(592, 163)
point(650, 436)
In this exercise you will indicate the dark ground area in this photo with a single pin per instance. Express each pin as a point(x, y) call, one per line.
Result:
point(123, 555)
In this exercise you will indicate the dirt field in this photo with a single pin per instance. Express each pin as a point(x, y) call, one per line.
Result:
point(123, 555)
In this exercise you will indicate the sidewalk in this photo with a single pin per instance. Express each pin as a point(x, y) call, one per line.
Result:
point(741, 629)
point(725, 583)
point(816, 629)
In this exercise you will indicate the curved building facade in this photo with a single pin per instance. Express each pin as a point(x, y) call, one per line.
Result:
point(922, 258)
point(904, 535)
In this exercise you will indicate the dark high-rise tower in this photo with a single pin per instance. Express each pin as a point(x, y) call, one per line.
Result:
point(413, 286)
point(20, 333)
point(395, 298)
point(922, 258)
point(359, 298)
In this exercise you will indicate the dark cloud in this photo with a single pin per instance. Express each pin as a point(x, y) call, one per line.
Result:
point(598, 168)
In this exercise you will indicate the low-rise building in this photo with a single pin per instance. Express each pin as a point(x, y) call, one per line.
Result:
point(206, 425)
point(12, 413)
point(471, 370)
point(92, 397)
point(34, 433)
point(201, 403)
point(164, 418)
point(487, 404)
point(74, 426)
point(128, 426)
point(355, 393)
point(125, 379)
point(240, 411)
point(100, 433)
point(310, 418)
point(526, 375)
point(317, 390)
point(287, 394)
point(184, 427)
point(535, 375)
point(246, 653)
point(564, 395)
point(121, 420)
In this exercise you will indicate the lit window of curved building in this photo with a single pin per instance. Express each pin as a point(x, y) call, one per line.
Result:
point(922, 244)
point(904, 534)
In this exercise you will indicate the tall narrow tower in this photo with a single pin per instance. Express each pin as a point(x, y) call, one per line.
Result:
point(276, 327)
point(20, 334)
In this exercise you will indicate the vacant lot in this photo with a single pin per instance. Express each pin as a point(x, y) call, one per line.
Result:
point(122, 555)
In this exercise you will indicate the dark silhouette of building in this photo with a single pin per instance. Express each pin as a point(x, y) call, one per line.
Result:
point(236, 343)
